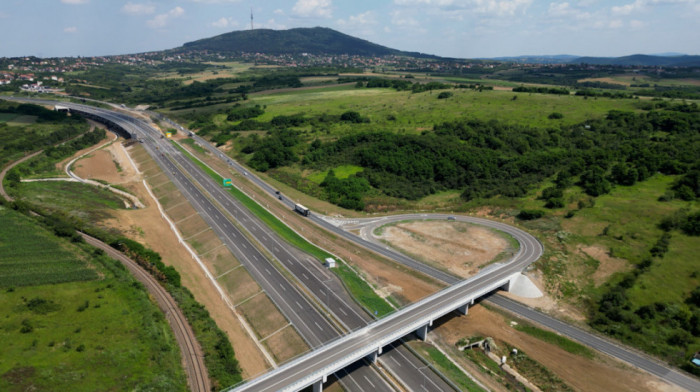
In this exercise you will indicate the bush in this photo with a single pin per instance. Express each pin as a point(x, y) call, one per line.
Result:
point(352, 117)
point(555, 116)
point(530, 214)
point(444, 95)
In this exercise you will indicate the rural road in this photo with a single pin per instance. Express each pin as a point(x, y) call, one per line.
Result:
point(7, 168)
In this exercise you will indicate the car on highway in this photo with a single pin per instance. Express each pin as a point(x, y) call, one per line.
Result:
point(451, 218)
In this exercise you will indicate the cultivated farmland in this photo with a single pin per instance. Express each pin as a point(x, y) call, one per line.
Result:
point(30, 255)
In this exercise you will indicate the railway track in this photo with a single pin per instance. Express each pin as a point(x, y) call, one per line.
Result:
point(192, 356)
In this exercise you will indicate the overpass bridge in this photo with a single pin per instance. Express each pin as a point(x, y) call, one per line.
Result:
point(89, 113)
point(313, 368)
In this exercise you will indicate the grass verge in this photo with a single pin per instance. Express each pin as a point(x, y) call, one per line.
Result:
point(448, 368)
point(557, 340)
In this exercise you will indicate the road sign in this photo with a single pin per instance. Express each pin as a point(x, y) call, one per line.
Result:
point(227, 182)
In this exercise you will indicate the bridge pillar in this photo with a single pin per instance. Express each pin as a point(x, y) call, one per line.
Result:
point(464, 309)
point(507, 286)
point(372, 357)
point(422, 332)
point(318, 386)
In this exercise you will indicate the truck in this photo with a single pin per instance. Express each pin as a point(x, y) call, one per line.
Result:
point(301, 209)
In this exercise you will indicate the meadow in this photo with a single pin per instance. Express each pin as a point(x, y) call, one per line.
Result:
point(83, 201)
point(97, 330)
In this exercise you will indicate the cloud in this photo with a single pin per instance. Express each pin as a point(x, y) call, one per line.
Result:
point(399, 18)
point(224, 22)
point(161, 20)
point(615, 24)
point(565, 10)
point(71, 29)
point(313, 8)
point(627, 8)
point(490, 7)
point(637, 24)
point(138, 9)
point(642, 5)
point(75, 1)
point(271, 24)
point(215, 1)
point(364, 18)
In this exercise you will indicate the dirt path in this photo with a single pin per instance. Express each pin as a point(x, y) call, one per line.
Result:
point(9, 167)
point(192, 355)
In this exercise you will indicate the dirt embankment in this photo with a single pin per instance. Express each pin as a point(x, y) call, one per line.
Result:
point(459, 247)
point(147, 226)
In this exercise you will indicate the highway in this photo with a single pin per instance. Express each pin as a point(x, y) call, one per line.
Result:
point(585, 337)
point(315, 329)
point(602, 344)
point(219, 208)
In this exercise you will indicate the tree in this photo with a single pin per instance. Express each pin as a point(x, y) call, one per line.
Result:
point(594, 183)
point(352, 116)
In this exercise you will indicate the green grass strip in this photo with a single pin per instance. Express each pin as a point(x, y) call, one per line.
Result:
point(450, 370)
point(358, 288)
point(557, 340)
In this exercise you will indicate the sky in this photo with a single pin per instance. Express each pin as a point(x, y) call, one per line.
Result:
point(450, 28)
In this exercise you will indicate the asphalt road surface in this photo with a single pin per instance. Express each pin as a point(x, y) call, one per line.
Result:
point(315, 329)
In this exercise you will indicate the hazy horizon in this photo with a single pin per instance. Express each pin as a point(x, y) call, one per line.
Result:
point(447, 28)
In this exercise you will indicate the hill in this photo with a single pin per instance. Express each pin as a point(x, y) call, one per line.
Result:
point(643, 60)
point(664, 60)
point(315, 40)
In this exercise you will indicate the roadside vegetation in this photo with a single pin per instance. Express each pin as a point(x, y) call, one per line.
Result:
point(26, 128)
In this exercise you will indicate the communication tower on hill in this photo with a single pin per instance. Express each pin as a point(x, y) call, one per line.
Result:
point(251, 18)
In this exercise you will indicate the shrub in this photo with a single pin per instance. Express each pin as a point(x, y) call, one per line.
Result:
point(530, 214)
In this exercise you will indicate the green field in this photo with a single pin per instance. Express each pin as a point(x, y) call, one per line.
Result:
point(101, 334)
point(631, 216)
point(341, 172)
point(7, 117)
point(415, 112)
point(87, 202)
point(31, 256)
